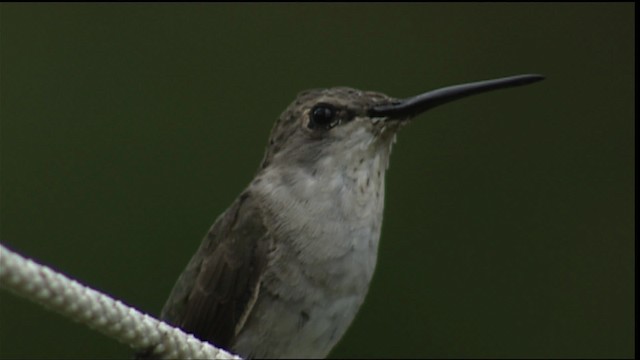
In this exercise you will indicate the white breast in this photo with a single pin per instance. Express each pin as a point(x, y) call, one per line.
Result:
point(326, 227)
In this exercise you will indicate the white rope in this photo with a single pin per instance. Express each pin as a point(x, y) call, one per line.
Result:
point(99, 311)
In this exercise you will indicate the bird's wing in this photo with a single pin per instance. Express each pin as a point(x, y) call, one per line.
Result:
point(216, 292)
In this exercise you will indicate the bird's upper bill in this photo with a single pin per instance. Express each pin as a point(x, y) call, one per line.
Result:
point(413, 106)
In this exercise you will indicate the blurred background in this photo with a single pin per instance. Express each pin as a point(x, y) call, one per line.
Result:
point(126, 129)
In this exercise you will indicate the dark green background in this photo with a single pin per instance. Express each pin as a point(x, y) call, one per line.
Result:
point(509, 223)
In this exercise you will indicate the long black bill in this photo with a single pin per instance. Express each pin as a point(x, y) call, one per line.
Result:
point(415, 105)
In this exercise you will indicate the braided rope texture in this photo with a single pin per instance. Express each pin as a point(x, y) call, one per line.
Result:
point(100, 312)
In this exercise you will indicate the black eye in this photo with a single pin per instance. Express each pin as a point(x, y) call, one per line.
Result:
point(322, 116)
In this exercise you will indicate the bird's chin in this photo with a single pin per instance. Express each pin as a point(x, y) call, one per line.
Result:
point(394, 125)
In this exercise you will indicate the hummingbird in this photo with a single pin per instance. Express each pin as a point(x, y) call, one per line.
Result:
point(283, 271)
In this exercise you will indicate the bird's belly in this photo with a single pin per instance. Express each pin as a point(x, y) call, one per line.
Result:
point(296, 330)
point(304, 309)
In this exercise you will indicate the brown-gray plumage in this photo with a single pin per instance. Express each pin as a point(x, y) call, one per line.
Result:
point(218, 287)
point(283, 271)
